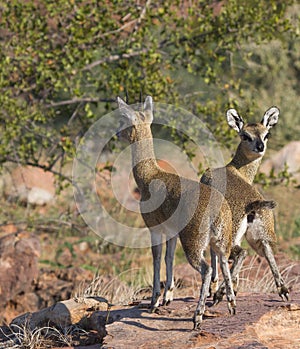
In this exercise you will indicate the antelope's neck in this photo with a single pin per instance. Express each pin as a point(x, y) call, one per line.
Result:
point(246, 167)
point(144, 163)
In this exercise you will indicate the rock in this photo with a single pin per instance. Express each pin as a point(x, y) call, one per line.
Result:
point(56, 285)
point(278, 329)
point(47, 288)
point(288, 156)
point(8, 229)
point(260, 322)
point(73, 311)
point(83, 247)
point(95, 346)
point(19, 254)
point(64, 257)
point(262, 319)
point(293, 307)
point(79, 313)
point(18, 264)
point(29, 184)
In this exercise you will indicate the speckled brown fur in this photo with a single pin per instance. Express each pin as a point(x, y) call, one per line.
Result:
point(196, 212)
point(235, 182)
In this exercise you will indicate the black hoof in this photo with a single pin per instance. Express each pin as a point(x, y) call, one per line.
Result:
point(166, 302)
point(153, 309)
point(284, 293)
point(218, 297)
point(197, 326)
point(197, 320)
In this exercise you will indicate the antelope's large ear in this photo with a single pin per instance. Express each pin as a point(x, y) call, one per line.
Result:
point(126, 110)
point(148, 109)
point(270, 117)
point(234, 120)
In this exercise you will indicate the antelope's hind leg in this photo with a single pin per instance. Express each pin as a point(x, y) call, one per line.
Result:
point(214, 284)
point(283, 291)
point(206, 272)
point(228, 284)
point(238, 255)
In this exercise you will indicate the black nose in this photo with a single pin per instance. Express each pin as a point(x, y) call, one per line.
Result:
point(260, 147)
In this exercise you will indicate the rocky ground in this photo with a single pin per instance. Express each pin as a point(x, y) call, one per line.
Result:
point(262, 321)
point(52, 318)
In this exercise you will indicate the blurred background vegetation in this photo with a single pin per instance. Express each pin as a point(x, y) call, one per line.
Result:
point(62, 64)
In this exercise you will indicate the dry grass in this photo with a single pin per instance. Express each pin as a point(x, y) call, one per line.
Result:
point(256, 276)
point(115, 290)
point(40, 338)
point(133, 284)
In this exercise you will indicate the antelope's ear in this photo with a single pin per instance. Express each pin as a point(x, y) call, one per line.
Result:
point(270, 117)
point(148, 109)
point(126, 110)
point(234, 120)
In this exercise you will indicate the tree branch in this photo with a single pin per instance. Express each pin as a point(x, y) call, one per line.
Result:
point(79, 100)
point(142, 16)
point(113, 58)
point(124, 26)
point(161, 45)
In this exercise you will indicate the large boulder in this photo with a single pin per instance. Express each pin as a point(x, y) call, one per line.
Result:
point(28, 184)
point(19, 253)
point(288, 156)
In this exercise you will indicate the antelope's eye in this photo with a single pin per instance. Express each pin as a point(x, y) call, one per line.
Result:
point(268, 135)
point(245, 137)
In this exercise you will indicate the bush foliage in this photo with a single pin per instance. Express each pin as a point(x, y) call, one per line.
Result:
point(64, 62)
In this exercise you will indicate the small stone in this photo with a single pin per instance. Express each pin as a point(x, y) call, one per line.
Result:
point(293, 307)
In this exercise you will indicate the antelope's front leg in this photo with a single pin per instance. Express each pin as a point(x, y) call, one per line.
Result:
point(156, 248)
point(169, 260)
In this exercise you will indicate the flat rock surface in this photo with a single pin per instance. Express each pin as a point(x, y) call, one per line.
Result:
point(261, 321)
